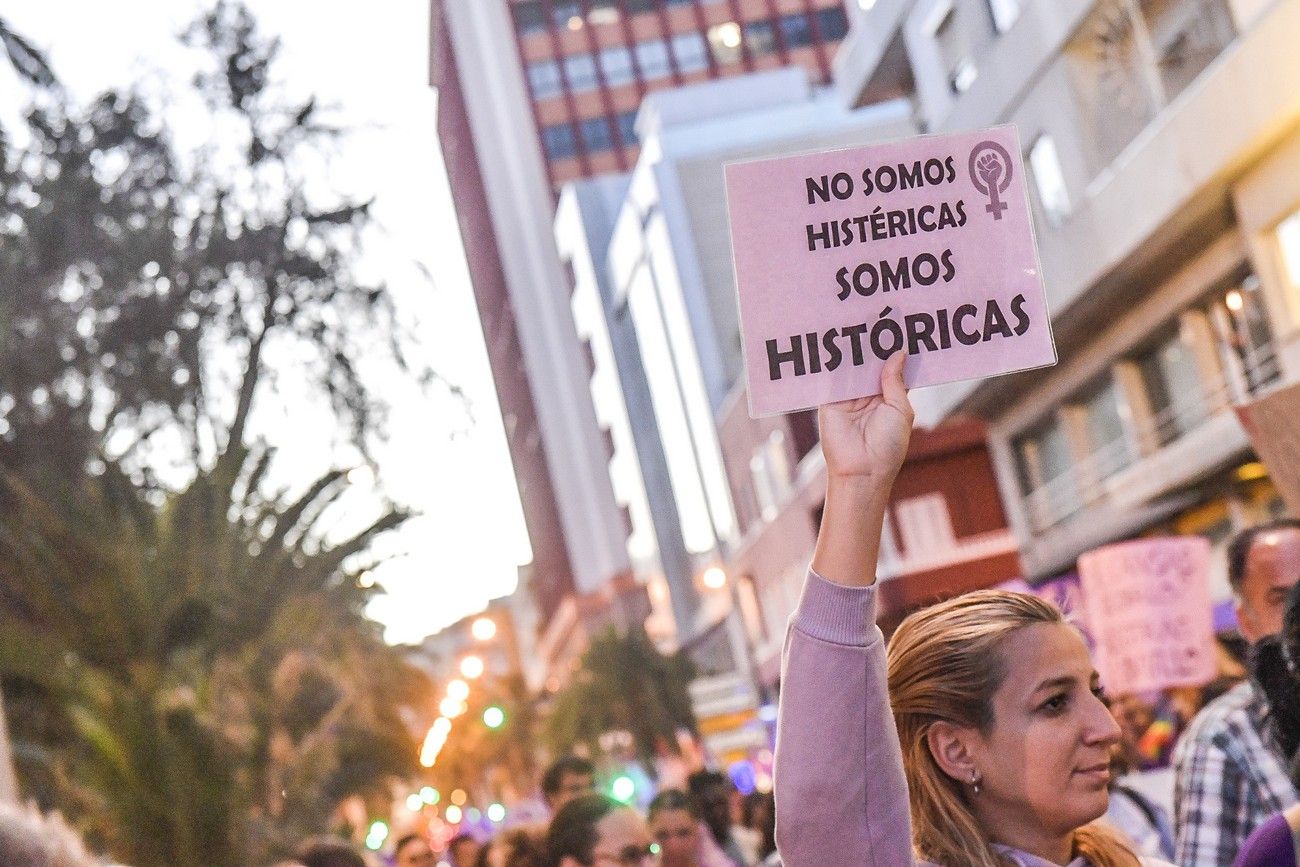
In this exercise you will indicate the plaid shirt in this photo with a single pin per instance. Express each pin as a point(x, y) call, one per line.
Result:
point(1228, 779)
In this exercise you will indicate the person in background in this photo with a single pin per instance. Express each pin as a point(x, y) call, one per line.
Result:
point(518, 847)
point(464, 850)
point(1228, 776)
point(1141, 819)
point(683, 840)
point(567, 778)
point(412, 850)
point(760, 816)
point(712, 793)
point(1276, 669)
point(328, 852)
point(597, 831)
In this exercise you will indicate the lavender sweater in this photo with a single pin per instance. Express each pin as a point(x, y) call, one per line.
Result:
point(840, 791)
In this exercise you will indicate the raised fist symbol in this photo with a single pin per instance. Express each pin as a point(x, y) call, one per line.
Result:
point(990, 169)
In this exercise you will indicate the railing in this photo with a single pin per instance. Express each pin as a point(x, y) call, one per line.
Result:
point(1069, 492)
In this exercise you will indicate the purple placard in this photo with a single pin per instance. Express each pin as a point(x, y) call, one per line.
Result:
point(843, 257)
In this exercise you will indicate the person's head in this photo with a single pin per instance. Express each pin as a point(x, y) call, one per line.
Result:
point(413, 850)
point(30, 839)
point(328, 852)
point(1276, 668)
point(597, 831)
point(676, 828)
point(1005, 737)
point(464, 849)
point(518, 847)
point(567, 778)
point(711, 794)
point(1263, 565)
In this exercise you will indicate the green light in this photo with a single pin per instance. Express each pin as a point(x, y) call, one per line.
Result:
point(622, 789)
point(429, 795)
point(494, 717)
point(655, 849)
point(377, 834)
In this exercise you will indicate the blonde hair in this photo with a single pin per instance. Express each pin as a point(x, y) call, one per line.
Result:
point(944, 666)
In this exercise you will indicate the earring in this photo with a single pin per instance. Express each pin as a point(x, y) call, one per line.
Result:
point(975, 781)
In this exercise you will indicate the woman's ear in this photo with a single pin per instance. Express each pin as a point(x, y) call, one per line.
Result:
point(953, 749)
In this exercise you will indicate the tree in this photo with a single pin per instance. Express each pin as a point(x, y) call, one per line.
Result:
point(187, 666)
point(624, 684)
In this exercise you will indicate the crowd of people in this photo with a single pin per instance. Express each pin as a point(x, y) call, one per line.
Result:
point(977, 736)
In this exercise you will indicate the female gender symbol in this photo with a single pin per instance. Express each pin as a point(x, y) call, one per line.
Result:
point(990, 171)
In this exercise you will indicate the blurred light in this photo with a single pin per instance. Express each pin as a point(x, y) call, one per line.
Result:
point(575, 23)
point(866, 4)
point(414, 803)
point(473, 816)
point(767, 713)
point(366, 579)
point(458, 689)
point(484, 629)
point(714, 578)
point(453, 814)
point(763, 783)
point(622, 789)
point(458, 798)
point(471, 667)
point(442, 725)
point(494, 717)
point(1234, 300)
point(429, 795)
point(360, 475)
point(729, 34)
point(451, 708)
point(1251, 472)
point(377, 834)
point(496, 813)
point(654, 849)
point(434, 741)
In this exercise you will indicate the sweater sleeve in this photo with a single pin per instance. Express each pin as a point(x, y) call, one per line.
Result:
point(840, 791)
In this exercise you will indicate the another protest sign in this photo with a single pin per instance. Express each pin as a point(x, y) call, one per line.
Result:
point(1148, 604)
point(847, 256)
point(1273, 425)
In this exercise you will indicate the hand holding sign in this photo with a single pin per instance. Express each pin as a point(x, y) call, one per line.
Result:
point(846, 257)
point(867, 436)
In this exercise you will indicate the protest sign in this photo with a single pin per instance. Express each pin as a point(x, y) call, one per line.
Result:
point(1273, 425)
point(844, 257)
point(1149, 611)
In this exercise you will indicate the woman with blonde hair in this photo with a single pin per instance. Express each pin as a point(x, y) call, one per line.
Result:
point(978, 740)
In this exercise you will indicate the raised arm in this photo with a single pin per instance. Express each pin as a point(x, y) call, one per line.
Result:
point(840, 790)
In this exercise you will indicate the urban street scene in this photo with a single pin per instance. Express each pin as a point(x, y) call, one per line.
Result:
point(650, 433)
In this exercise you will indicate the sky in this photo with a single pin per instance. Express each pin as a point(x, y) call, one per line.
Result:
point(446, 460)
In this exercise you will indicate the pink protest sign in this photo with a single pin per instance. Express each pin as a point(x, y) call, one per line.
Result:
point(1149, 610)
point(846, 256)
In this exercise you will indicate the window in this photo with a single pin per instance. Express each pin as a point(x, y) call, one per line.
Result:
point(558, 141)
point(796, 30)
point(603, 12)
point(529, 17)
point(1049, 180)
point(581, 72)
point(724, 42)
point(627, 128)
point(1046, 463)
point(833, 23)
point(955, 52)
point(1173, 388)
point(691, 51)
point(760, 37)
point(652, 57)
point(616, 63)
point(596, 135)
point(1288, 242)
point(1107, 432)
point(1186, 36)
point(1005, 13)
point(544, 79)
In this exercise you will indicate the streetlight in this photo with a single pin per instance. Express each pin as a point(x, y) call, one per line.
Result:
point(484, 629)
point(472, 667)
